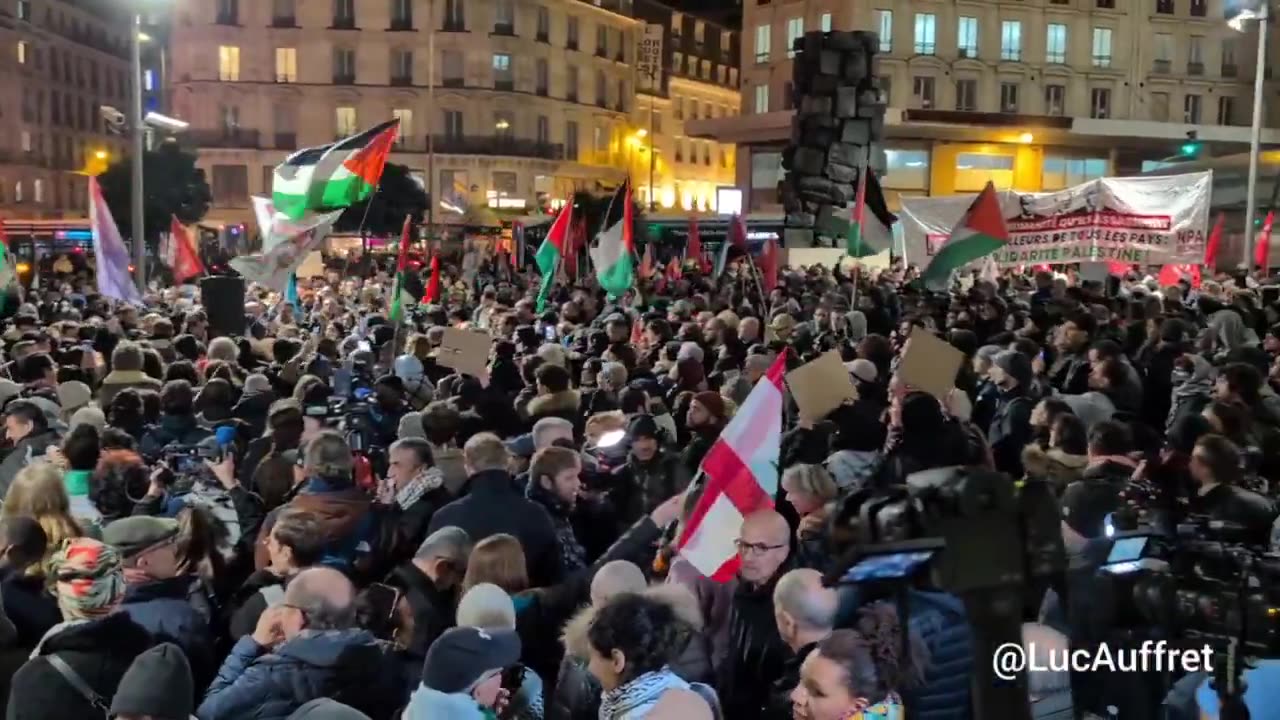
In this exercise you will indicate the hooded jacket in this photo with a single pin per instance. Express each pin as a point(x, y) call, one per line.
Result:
point(1192, 390)
point(346, 520)
point(350, 666)
point(23, 453)
point(1053, 466)
point(428, 704)
point(577, 694)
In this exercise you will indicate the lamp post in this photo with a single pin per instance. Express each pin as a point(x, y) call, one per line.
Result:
point(1260, 13)
point(139, 147)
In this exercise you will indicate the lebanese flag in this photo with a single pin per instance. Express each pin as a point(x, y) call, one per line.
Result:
point(186, 261)
point(741, 477)
point(1264, 243)
point(693, 248)
point(1215, 239)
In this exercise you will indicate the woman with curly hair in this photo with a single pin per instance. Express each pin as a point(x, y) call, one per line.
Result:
point(860, 674)
point(631, 644)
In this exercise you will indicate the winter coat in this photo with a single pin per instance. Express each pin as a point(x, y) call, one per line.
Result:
point(99, 651)
point(171, 430)
point(118, 380)
point(350, 666)
point(1053, 466)
point(493, 505)
point(253, 409)
point(577, 694)
point(756, 651)
point(714, 603)
point(410, 524)
point(428, 704)
point(28, 605)
point(943, 625)
point(432, 608)
point(1010, 430)
point(176, 610)
point(1087, 502)
point(23, 453)
point(639, 487)
point(1191, 391)
point(261, 590)
point(1070, 373)
point(562, 404)
point(573, 556)
point(346, 519)
point(780, 696)
point(852, 469)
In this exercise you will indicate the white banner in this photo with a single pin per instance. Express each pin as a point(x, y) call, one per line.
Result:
point(649, 58)
point(1145, 220)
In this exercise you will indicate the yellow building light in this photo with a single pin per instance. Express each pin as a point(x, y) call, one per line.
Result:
point(1026, 138)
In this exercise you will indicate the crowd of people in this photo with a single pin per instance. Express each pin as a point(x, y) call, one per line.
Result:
point(193, 524)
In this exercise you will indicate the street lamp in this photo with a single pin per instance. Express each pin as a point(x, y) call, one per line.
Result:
point(139, 147)
point(1258, 12)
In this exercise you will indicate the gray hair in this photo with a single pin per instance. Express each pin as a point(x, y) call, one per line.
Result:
point(223, 348)
point(1039, 641)
point(325, 596)
point(690, 351)
point(256, 383)
point(548, 429)
point(488, 607)
point(613, 376)
point(801, 595)
point(553, 354)
point(418, 445)
point(448, 543)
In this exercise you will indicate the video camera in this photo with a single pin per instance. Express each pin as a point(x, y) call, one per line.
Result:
point(984, 538)
point(351, 417)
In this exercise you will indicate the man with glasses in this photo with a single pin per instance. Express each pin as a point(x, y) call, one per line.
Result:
point(756, 651)
point(305, 648)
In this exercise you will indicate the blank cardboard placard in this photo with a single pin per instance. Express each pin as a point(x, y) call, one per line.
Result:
point(312, 266)
point(466, 351)
point(930, 364)
point(821, 386)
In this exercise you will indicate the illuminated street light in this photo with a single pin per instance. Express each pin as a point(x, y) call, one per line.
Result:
point(641, 133)
point(101, 154)
point(1026, 138)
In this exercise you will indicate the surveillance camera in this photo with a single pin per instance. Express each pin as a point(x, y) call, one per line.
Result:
point(111, 115)
point(166, 123)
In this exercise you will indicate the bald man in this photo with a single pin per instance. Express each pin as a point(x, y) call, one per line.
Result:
point(614, 578)
point(304, 648)
point(806, 614)
point(757, 654)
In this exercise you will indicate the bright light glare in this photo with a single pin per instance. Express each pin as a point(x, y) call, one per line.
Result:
point(611, 438)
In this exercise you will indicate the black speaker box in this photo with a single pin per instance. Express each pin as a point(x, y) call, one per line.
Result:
point(223, 300)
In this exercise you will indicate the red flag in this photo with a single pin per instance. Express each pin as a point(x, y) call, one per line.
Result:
point(1118, 269)
point(4, 236)
point(1042, 268)
point(570, 259)
point(1264, 242)
point(673, 270)
point(186, 261)
point(738, 232)
point(768, 264)
point(432, 292)
point(646, 262)
point(1215, 239)
point(693, 248)
point(1173, 274)
point(637, 332)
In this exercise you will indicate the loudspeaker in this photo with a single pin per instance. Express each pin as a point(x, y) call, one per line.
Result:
point(223, 300)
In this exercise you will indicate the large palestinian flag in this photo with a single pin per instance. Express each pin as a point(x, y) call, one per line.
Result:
point(333, 176)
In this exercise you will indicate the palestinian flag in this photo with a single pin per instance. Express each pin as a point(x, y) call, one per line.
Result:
point(401, 297)
point(333, 176)
point(614, 254)
point(432, 293)
point(552, 250)
point(980, 232)
point(869, 236)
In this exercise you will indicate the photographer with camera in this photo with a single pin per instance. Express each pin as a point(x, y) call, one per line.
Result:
point(1216, 469)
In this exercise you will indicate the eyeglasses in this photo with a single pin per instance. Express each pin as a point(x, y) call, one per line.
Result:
point(746, 548)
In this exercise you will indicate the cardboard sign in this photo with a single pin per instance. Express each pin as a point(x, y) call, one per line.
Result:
point(466, 351)
point(312, 266)
point(930, 364)
point(821, 386)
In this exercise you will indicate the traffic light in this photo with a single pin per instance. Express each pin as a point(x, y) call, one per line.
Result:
point(1191, 149)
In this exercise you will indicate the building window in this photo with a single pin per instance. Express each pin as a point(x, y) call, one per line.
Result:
point(967, 95)
point(228, 12)
point(543, 129)
point(230, 185)
point(600, 137)
point(677, 63)
point(283, 13)
point(401, 14)
point(1011, 40)
point(504, 17)
point(922, 91)
point(26, 141)
point(1163, 62)
point(455, 20)
point(149, 80)
point(401, 67)
point(17, 192)
point(1199, 8)
point(926, 34)
point(1229, 68)
point(795, 29)
point(679, 145)
point(1160, 106)
point(886, 89)
point(571, 140)
point(23, 49)
point(967, 37)
point(602, 40)
point(571, 33)
point(502, 76)
point(24, 10)
point(763, 35)
point(286, 65)
point(572, 83)
point(1059, 173)
point(655, 121)
point(284, 116)
point(228, 63)
point(453, 124)
point(1055, 45)
point(884, 29)
point(544, 24)
point(344, 121)
point(504, 124)
point(1164, 7)
point(975, 170)
point(623, 94)
point(1102, 47)
point(1100, 103)
point(405, 116)
point(451, 70)
point(906, 170)
point(762, 99)
point(1009, 97)
point(1226, 110)
point(344, 14)
point(541, 77)
point(1195, 55)
point(344, 66)
point(602, 89)
point(1191, 109)
point(824, 22)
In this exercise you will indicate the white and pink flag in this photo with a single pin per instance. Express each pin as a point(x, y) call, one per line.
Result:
point(110, 254)
point(741, 477)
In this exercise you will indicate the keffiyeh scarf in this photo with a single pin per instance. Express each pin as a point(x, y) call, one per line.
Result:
point(888, 709)
point(637, 698)
point(424, 482)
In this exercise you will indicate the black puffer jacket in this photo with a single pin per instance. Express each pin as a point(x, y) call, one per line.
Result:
point(756, 651)
point(577, 693)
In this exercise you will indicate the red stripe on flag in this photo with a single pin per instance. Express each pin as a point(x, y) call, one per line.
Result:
point(727, 475)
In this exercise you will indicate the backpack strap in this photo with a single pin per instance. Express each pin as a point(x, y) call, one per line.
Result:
point(78, 684)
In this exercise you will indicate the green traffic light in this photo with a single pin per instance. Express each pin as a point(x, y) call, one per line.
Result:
point(1191, 149)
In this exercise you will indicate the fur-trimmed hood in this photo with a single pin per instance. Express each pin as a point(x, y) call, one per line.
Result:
point(677, 596)
point(565, 401)
point(1053, 464)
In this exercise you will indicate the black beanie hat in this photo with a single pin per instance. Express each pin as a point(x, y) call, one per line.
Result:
point(158, 684)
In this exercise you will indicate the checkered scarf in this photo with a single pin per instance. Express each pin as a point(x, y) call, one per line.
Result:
point(88, 578)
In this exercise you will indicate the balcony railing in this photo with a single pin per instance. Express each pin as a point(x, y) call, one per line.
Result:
point(224, 138)
point(1229, 70)
point(344, 23)
point(1195, 68)
point(402, 81)
point(453, 82)
point(504, 29)
point(497, 145)
point(344, 79)
point(1163, 67)
point(401, 24)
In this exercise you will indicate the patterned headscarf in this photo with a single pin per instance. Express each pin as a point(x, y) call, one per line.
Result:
point(88, 578)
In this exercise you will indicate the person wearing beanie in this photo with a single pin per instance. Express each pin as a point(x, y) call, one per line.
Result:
point(326, 709)
point(96, 642)
point(650, 474)
point(418, 390)
point(157, 686)
point(254, 405)
point(1010, 427)
point(707, 416)
point(462, 676)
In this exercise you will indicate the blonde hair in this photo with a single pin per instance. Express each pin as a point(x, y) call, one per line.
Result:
point(812, 480)
point(498, 559)
point(38, 492)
